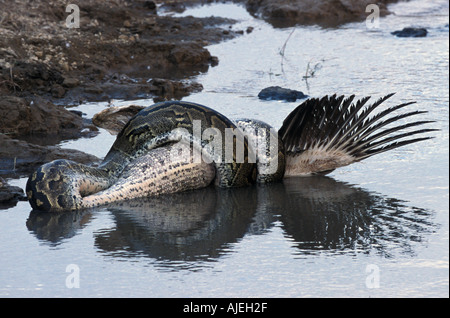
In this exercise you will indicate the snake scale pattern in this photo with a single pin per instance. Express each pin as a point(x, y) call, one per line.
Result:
point(141, 162)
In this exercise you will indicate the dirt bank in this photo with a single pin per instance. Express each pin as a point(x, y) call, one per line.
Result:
point(120, 50)
point(328, 13)
point(117, 51)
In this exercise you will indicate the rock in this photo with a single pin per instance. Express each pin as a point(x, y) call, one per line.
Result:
point(9, 195)
point(93, 89)
point(123, 37)
point(189, 54)
point(127, 24)
point(170, 6)
point(70, 82)
point(164, 87)
point(150, 5)
point(214, 61)
point(327, 13)
point(27, 74)
point(167, 89)
point(19, 117)
point(114, 118)
point(279, 93)
point(411, 33)
point(58, 91)
point(21, 157)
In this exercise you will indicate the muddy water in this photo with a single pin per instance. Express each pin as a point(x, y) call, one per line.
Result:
point(374, 229)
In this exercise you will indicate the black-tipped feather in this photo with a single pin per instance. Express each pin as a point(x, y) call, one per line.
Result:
point(337, 124)
point(358, 144)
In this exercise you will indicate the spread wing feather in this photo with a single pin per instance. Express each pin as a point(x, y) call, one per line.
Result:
point(338, 124)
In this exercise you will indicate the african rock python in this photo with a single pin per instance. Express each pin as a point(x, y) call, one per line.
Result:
point(146, 159)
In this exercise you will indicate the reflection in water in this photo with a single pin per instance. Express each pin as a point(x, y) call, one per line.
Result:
point(322, 214)
point(185, 230)
point(180, 228)
point(55, 227)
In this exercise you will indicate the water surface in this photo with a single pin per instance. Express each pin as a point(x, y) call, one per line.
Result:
point(373, 229)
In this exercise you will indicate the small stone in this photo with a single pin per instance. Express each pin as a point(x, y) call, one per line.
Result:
point(10, 194)
point(93, 90)
point(70, 82)
point(411, 32)
point(279, 93)
point(58, 91)
point(123, 37)
point(214, 60)
point(150, 5)
point(65, 66)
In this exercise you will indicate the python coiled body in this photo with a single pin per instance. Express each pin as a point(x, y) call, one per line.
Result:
point(177, 146)
point(144, 160)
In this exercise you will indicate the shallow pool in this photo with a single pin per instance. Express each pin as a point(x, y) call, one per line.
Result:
point(374, 229)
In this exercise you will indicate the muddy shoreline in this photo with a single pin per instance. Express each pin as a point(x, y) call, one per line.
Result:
point(130, 49)
point(119, 50)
